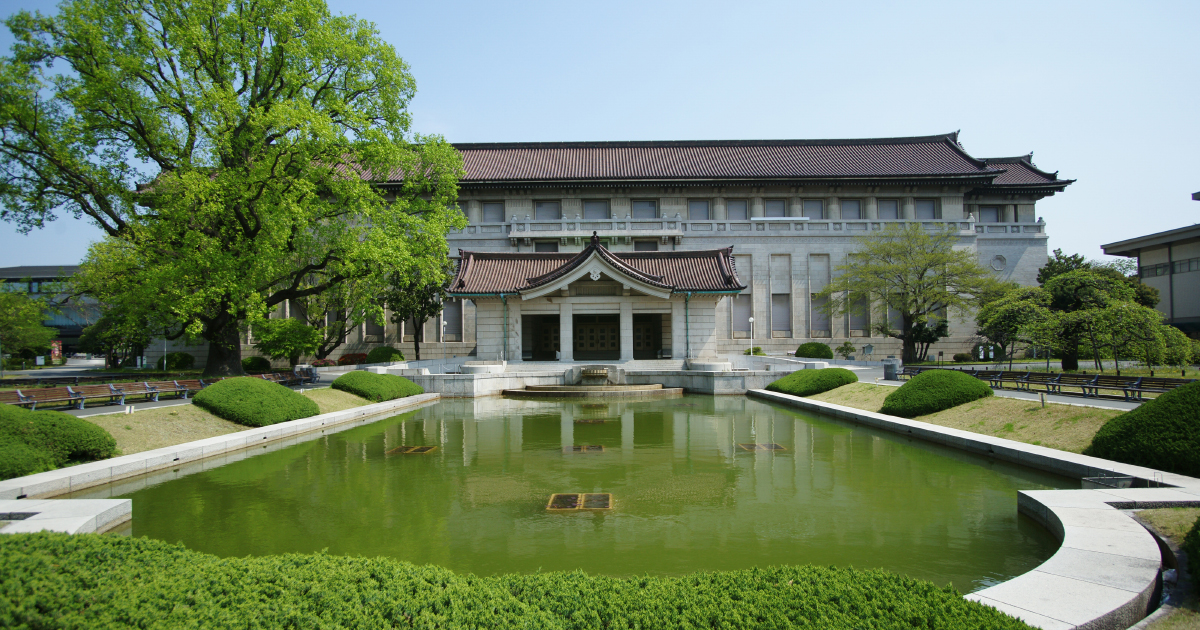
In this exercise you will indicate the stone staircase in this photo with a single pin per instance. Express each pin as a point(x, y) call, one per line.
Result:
point(560, 366)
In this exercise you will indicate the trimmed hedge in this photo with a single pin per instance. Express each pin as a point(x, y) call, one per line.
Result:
point(95, 581)
point(376, 387)
point(1163, 433)
point(256, 365)
point(814, 350)
point(254, 402)
point(384, 354)
point(810, 382)
point(932, 391)
point(37, 441)
point(177, 361)
point(353, 358)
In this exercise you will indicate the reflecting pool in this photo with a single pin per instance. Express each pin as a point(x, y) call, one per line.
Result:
point(685, 496)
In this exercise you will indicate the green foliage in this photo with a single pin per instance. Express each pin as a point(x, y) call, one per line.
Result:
point(384, 354)
point(962, 357)
point(810, 382)
point(1060, 264)
point(21, 320)
point(118, 334)
point(376, 387)
point(1191, 546)
point(254, 402)
point(415, 298)
point(256, 365)
point(987, 352)
point(1163, 433)
point(176, 361)
point(932, 391)
point(36, 441)
point(912, 271)
point(756, 351)
point(814, 350)
point(286, 339)
point(1006, 320)
point(159, 584)
point(846, 349)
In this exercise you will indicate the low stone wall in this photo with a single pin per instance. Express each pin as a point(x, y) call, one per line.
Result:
point(716, 383)
point(475, 385)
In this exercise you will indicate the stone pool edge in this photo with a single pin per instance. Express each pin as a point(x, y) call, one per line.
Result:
point(30, 494)
point(1106, 572)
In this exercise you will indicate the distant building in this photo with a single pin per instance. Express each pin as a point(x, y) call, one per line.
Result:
point(1170, 262)
point(48, 282)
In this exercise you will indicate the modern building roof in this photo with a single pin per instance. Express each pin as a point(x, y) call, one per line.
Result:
point(45, 271)
point(495, 273)
point(1132, 247)
point(938, 157)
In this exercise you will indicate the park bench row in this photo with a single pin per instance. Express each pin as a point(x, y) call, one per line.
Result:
point(1089, 385)
point(117, 393)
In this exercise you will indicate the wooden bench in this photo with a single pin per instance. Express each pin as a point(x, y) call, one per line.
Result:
point(998, 379)
point(908, 372)
point(307, 375)
point(15, 397)
point(1153, 385)
point(172, 387)
point(1047, 380)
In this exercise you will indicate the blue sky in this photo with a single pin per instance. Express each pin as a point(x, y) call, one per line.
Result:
point(1104, 92)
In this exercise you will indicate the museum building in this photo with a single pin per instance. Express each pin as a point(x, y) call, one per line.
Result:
point(695, 249)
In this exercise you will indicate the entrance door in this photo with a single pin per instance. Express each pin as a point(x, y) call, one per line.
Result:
point(597, 337)
point(544, 335)
point(647, 336)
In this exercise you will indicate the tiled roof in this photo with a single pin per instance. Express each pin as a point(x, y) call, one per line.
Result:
point(1020, 171)
point(678, 271)
point(45, 271)
point(922, 156)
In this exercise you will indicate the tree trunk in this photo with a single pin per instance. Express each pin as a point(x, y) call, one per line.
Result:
point(1070, 358)
point(224, 349)
point(418, 329)
point(908, 350)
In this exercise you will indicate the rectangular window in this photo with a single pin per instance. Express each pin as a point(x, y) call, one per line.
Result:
point(926, 209)
point(989, 214)
point(1184, 266)
point(781, 313)
point(735, 210)
point(774, 208)
point(547, 211)
point(645, 209)
point(493, 212)
point(596, 209)
point(851, 209)
point(645, 246)
point(452, 317)
point(374, 329)
point(814, 209)
point(543, 246)
point(819, 318)
point(889, 210)
point(895, 319)
point(860, 318)
point(742, 312)
point(698, 210)
point(1151, 271)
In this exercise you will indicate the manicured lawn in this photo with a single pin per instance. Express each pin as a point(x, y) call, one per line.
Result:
point(1063, 427)
point(1173, 524)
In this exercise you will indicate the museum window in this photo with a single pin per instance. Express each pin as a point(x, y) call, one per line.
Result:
point(741, 311)
point(1184, 266)
point(989, 214)
point(889, 209)
point(645, 246)
point(452, 319)
point(374, 330)
point(545, 246)
point(781, 315)
point(493, 212)
point(1151, 271)
point(814, 209)
point(596, 209)
point(547, 211)
point(851, 209)
point(821, 322)
point(774, 208)
point(925, 209)
point(698, 210)
point(735, 210)
point(645, 209)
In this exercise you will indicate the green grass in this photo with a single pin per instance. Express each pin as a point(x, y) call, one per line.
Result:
point(376, 387)
point(90, 581)
point(254, 402)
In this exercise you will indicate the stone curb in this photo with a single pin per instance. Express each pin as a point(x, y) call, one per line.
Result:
point(1106, 573)
point(73, 478)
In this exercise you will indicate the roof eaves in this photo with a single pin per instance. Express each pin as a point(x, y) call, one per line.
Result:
point(615, 144)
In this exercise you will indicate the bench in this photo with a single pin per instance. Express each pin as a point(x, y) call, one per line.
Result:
point(908, 372)
point(15, 397)
point(1153, 385)
point(1048, 381)
point(997, 379)
point(307, 375)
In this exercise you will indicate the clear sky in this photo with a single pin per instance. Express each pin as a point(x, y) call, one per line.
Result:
point(1103, 92)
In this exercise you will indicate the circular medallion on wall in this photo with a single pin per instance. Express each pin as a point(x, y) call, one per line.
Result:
point(999, 263)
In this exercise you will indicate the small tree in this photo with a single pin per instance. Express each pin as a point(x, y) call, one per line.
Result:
point(1005, 321)
point(286, 339)
point(845, 350)
point(1060, 264)
point(917, 273)
point(119, 335)
point(21, 326)
point(414, 299)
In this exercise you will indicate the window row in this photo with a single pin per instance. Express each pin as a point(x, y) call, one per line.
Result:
point(1162, 269)
point(735, 209)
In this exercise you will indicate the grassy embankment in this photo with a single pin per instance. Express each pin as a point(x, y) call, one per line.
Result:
point(1064, 427)
point(149, 429)
point(1173, 524)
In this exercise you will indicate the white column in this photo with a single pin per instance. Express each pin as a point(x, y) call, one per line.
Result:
point(1010, 214)
point(834, 209)
point(678, 330)
point(910, 211)
point(566, 332)
point(627, 331)
point(872, 209)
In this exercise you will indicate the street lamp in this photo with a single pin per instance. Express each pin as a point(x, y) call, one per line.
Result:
point(751, 337)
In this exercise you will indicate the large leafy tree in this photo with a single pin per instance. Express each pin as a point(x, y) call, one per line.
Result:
point(913, 271)
point(21, 318)
point(236, 154)
point(1078, 300)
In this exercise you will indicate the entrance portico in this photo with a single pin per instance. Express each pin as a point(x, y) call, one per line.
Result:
point(596, 305)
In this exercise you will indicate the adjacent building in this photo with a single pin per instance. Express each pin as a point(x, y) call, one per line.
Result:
point(1170, 262)
point(69, 317)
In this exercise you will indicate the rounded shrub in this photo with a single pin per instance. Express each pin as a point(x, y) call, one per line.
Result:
point(37, 441)
point(814, 350)
point(256, 365)
point(376, 387)
point(353, 358)
point(254, 402)
point(178, 361)
point(1163, 433)
point(962, 357)
point(810, 382)
point(932, 391)
point(384, 354)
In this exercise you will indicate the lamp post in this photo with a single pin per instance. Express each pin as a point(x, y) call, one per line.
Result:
point(751, 337)
point(443, 346)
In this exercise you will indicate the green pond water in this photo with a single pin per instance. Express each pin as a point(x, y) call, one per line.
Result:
point(686, 496)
